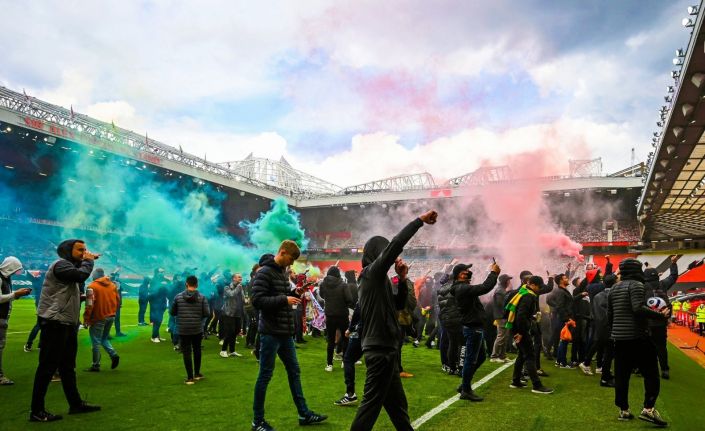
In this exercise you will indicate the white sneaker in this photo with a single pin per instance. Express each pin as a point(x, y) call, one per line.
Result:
point(358, 363)
point(433, 344)
point(236, 354)
point(156, 340)
point(220, 342)
point(223, 354)
point(329, 368)
point(497, 360)
point(585, 369)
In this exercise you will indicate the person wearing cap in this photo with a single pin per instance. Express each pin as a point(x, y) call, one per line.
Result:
point(628, 316)
point(499, 350)
point(102, 301)
point(521, 321)
point(657, 328)
point(9, 266)
point(472, 313)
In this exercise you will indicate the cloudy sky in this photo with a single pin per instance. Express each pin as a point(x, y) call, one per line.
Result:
point(352, 91)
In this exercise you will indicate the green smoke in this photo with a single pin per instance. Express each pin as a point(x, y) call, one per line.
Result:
point(145, 222)
point(274, 226)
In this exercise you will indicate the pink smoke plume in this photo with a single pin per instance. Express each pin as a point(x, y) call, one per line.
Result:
point(518, 226)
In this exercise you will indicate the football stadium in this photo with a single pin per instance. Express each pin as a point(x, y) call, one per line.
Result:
point(410, 301)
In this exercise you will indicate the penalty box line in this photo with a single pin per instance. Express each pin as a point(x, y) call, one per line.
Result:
point(445, 404)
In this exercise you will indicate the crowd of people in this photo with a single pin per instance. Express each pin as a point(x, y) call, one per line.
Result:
point(603, 316)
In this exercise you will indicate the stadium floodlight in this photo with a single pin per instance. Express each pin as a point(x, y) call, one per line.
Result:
point(670, 89)
point(697, 79)
point(345, 207)
point(693, 10)
point(680, 52)
point(668, 98)
point(659, 123)
point(657, 134)
point(678, 61)
point(687, 22)
point(675, 74)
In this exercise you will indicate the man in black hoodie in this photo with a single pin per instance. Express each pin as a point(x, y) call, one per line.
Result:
point(380, 331)
point(628, 317)
point(336, 295)
point(351, 279)
point(658, 328)
point(58, 314)
point(472, 311)
point(273, 297)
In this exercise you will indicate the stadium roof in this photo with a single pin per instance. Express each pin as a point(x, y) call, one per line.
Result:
point(270, 178)
point(672, 204)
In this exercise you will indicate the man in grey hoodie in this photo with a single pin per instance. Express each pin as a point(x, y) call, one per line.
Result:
point(233, 313)
point(9, 266)
point(58, 314)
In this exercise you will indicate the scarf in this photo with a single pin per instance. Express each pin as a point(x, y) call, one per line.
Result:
point(512, 306)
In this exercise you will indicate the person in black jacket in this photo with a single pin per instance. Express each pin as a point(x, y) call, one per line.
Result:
point(472, 313)
point(561, 303)
point(351, 279)
point(142, 300)
point(451, 321)
point(658, 328)
point(190, 307)
point(582, 316)
point(273, 297)
point(380, 328)
point(627, 315)
point(352, 354)
point(522, 324)
point(336, 295)
point(602, 344)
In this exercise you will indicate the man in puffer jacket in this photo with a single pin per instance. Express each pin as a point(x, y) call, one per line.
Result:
point(657, 328)
point(191, 308)
point(273, 297)
point(628, 317)
point(58, 314)
point(336, 295)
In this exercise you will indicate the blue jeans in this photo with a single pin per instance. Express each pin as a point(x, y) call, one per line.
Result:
point(271, 346)
point(99, 332)
point(474, 354)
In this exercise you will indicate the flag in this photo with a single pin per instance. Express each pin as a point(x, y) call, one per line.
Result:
point(319, 316)
point(112, 123)
point(72, 114)
point(146, 139)
point(25, 94)
point(181, 150)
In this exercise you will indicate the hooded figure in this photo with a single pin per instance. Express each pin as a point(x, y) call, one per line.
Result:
point(352, 285)
point(336, 295)
point(8, 267)
point(380, 332)
point(58, 314)
point(63, 283)
point(658, 328)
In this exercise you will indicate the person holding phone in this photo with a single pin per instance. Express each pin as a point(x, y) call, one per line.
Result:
point(9, 266)
point(59, 314)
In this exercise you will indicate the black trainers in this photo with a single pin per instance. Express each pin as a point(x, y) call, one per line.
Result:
point(114, 362)
point(541, 373)
point(470, 396)
point(665, 375)
point(346, 400)
point(607, 383)
point(625, 415)
point(44, 416)
point(312, 418)
point(84, 407)
point(542, 390)
point(93, 370)
point(261, 426)
point(652, 416)
point(517, 385)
